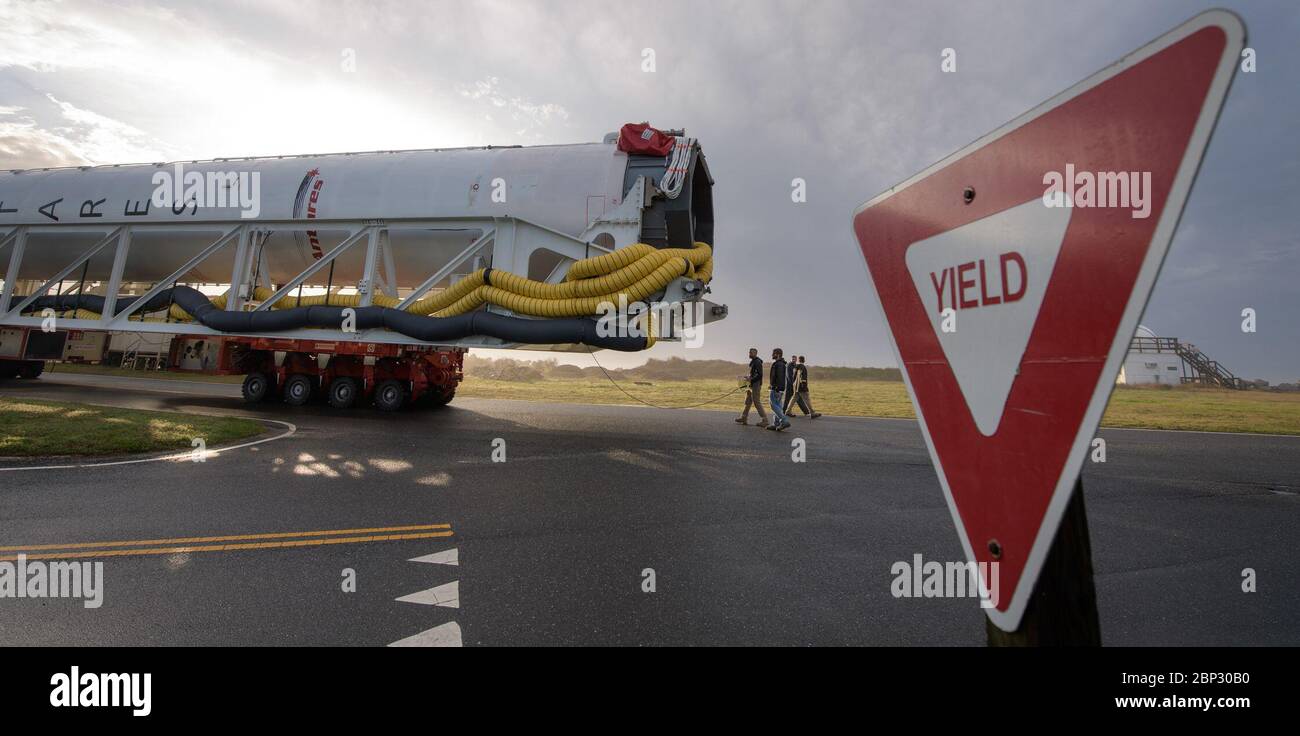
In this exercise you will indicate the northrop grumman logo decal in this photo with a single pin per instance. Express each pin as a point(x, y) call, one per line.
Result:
point(94, 690)
point(304, 207)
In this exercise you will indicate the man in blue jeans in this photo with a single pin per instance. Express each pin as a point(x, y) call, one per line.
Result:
point(776, 385)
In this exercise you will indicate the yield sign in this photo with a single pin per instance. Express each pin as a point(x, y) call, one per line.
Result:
point(1012, 275)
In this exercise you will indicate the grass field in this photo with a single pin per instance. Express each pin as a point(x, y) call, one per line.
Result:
point(1210, 410)
point(101, 370)
point(1205, 409)
point(847, 398)
point(30, 428)
point(1185, 408)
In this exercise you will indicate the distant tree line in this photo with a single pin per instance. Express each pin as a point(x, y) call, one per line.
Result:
point(671, 369)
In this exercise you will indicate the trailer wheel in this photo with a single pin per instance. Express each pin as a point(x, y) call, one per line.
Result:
point(257, 387)
point(31, 368)
point(8, 369)
point(442, 398)
point(343, 392)
point(298, 389)
point(390, 395)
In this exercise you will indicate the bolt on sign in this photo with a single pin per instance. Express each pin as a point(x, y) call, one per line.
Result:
point(1044, 238)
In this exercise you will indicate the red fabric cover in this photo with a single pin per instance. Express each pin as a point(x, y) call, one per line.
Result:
point(641, 139)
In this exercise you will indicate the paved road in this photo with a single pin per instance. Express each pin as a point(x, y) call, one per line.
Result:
point(747, 546)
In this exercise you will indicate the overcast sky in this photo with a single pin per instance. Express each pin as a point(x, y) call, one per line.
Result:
point(846, 95)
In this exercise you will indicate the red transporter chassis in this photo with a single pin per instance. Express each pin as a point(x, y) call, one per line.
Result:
point(343, 372)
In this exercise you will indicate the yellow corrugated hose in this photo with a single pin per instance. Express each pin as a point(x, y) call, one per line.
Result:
point(632, 273)
point(628, 275)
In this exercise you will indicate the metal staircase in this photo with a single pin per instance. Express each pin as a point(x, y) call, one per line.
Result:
point(1206, 371)
point(136, 359)
point(1197, 366)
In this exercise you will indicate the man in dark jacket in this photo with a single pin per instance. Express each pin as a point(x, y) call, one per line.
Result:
point(791, 374)
point(800, 388)
point(755, 390)
point(777, 383)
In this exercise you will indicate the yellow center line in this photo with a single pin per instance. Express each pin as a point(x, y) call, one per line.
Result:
point(229, 547)
point(224, 538)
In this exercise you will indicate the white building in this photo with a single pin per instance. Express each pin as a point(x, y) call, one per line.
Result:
point(1151, 360)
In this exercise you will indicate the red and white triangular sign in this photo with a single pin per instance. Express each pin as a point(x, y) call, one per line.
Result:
point(1045, 278)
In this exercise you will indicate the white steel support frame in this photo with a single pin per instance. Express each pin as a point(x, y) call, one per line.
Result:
point(166, 283)
point(311, 270)
point(390, 266)
point(512, 243)
point(19, 238)
point(237, 295)
point(516, 240)
point(367, 285)
point(445, 271)
point(67, 270)
point(115, 276)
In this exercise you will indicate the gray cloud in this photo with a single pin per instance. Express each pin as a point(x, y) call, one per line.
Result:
point(846, 95)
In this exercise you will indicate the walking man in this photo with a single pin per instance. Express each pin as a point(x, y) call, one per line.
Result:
point(777, 386)
point(801, 390)
point(791, 370)
point(755, 390)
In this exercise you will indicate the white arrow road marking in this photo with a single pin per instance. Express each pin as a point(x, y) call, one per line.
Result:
point(449, 557)
point(446, 635)
point(447, 595)
point(444, 595)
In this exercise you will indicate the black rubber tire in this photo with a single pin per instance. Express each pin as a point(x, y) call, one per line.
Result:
point(390, 395)
point(9, 369)
point(343, 392)
point(257, 387)
point(441, 399)
point(298, 389)
point(31, 369)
